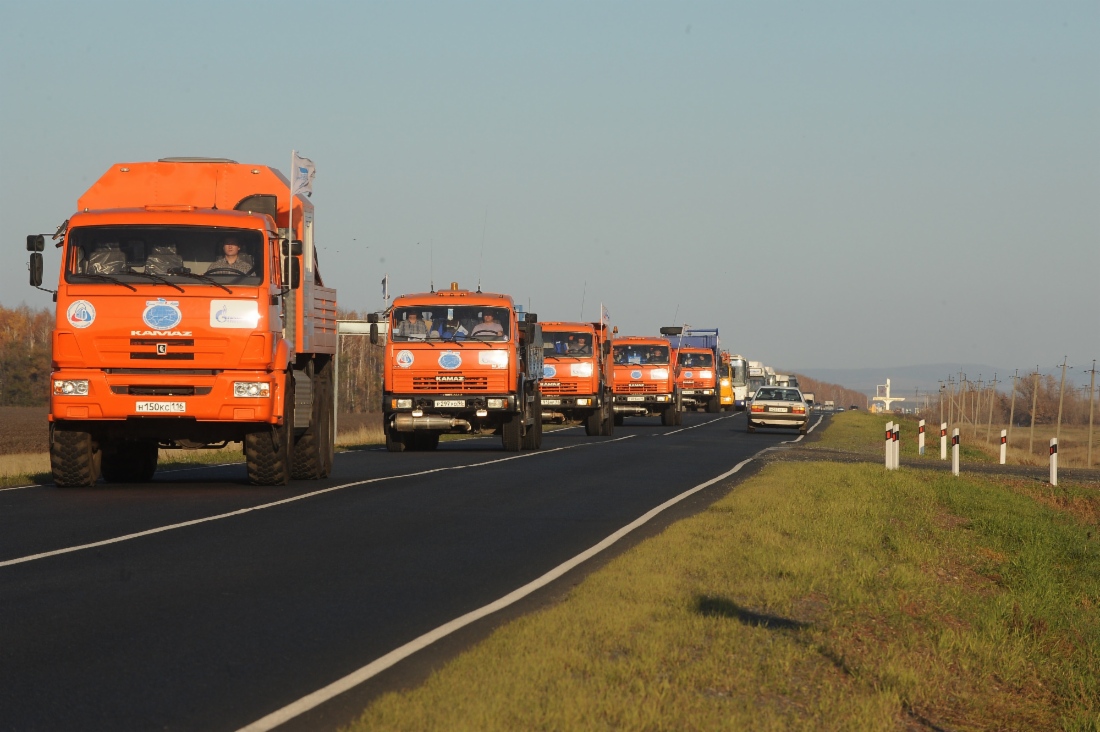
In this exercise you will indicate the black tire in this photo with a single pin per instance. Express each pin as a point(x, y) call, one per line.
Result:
point(75, 458)
point(619, 419)
point(429, 441)
point(511, 432)
point(607, 423)
point(532, 438)
point(129, 461)
point(668, 415)
point(267, 452)
point(714, 405)
point(396, 441)
point(313, 450)
point(593, 423)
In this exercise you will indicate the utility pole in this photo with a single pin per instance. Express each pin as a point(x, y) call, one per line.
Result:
point(977, 403)
point(1092, 382)
point(951, 403)
point(1034, 400)
point(941, 401)
point(1012, 409)
point(992, 394)
point(1061, 394)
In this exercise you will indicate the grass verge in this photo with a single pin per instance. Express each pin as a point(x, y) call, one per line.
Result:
point(815, 596)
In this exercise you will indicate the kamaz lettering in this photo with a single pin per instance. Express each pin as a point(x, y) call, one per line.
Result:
point(450, 378)
point(181, 333)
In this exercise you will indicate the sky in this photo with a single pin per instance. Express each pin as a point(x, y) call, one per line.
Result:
point(832, 184)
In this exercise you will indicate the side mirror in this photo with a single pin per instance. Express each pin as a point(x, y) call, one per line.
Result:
point(606, 348)
point(35, 267)
point(373, 330)
point(35, 242)
point(292, 274)
point(291, 248)
point(530, 318)
point(372, 317)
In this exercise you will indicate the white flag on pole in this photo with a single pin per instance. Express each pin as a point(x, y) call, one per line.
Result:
point(301, 175)
point(606, 316)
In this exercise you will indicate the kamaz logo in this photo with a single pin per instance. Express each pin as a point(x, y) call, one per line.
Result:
point(179, 333)
point(450, 378)
point(551, 383)
point(637, 385)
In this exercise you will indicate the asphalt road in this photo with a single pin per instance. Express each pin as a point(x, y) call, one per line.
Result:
point(198, 602)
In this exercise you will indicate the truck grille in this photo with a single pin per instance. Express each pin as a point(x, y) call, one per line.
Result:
point(630, 389)
point(144, 390)
point(564, 387)
point(469, 383)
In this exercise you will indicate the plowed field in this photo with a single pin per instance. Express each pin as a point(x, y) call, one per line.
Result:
point(23, 429)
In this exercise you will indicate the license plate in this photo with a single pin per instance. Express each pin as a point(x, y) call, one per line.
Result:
point(777, 409)
point(161, 407)
point(635, 399)
point(450, 402)
point(550, 402)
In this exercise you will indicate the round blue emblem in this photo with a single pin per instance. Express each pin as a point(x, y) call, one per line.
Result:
point(162, 314)
point(688, 375)
point(549, 372)
point(450, 360)
point(636, 374)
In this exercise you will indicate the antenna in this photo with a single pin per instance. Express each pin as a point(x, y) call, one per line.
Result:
point(583, 293)
point(481, 259)
point(676, 313)
point(431, 264)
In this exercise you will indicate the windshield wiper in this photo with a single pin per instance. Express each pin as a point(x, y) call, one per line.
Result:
point(156, 277)
point(188, 273)
point(104, 278)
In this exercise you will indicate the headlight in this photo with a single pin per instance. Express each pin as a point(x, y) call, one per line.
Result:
point(496, 359)
point(257, 389)
point(583, 402)
point(496, 403)
point(706, 374)
point(71, 387)
point(725, 382)
point(658, 374)
point(404, 403)
point(580, 369)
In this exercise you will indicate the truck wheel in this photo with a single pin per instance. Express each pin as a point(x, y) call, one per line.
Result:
point(532, 440)
point(607, 421)
point(75, 458)
point(593, 423)
point(129, 461)
point(668, 415)
point(267, 452)
point(511, 431)
point(429, 441)
point(713, 405)
point(396, 441)
point(313, 450)
point(619, 419)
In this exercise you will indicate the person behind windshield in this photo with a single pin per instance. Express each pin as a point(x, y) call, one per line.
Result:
point(413, 326)
point(487, 326)
point(579, 347)
point(232, 257)
point(449, 329)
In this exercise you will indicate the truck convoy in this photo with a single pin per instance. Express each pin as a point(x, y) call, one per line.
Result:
point(576, 373)
point(459, 361)
point(644, 380)
point(697, 358)
point(189, 315)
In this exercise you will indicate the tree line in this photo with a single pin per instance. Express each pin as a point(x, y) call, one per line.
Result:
point(824, 392)
point(25, 348)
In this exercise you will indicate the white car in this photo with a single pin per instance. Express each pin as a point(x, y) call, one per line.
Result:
point(778, 406)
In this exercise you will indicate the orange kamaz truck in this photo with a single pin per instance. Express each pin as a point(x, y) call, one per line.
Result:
point(697, 378)
point(459, 362)
point(189, 315)
point(644, 381)
point(576, 375)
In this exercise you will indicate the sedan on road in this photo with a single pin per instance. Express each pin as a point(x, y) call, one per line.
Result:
point(778, 406)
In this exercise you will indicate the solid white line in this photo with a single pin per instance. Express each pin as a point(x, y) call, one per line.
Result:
point(242, 511)
point(380, 664)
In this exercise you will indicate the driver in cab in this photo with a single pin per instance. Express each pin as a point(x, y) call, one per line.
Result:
point(232, 258)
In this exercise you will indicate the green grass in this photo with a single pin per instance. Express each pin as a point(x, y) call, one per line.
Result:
point(864, 432)
point(815, 596)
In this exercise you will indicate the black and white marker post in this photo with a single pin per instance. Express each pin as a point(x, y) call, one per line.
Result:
point(943, 440)
point(920, 437)
point(955, 451)
point(888, 450)
point(1004, 445)
point(1054, 461)
point(897, 445)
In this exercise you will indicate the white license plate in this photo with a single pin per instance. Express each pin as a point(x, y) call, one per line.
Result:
point(550, 402)
point(777, 409)
point(635, 399)
point(161, 407)
point(450, 402)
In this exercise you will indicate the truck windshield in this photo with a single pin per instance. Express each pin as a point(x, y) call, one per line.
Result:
point(195, 255)
point(566, 344)
point(641, 355)
point(738, 367)
point(440, 322)
point(696, 360)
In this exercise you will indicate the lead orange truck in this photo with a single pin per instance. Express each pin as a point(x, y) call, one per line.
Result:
point(576, 381)
point(189, 315)
point(459, 362)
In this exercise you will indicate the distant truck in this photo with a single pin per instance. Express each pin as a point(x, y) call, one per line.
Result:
point(808, 396)
point(576, 372)
point(164, 339)
point(644, 381)
point(457, 362)
point(698, 357)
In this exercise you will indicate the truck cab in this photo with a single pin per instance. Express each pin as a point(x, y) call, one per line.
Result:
point(644, 379)
point(697, 377)
point(576, 383)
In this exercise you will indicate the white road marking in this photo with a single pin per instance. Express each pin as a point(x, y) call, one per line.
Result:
point(293, 499)
point(276, 718)
point(694, 426)
point(21, 487)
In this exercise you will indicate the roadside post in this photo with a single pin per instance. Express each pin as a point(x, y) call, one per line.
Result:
point(920, 438)
point(888, 451)
point(1054, 461)
point(955, 451)
point(897, 445)
point(1004, 445)
point(943, 440)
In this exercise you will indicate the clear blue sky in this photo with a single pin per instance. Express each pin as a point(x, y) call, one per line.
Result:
point(832, 184)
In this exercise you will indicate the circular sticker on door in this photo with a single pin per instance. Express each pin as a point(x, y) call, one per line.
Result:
point(549, 372)
point(80, 314)
point(450, 360)
point(404, 359)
